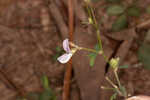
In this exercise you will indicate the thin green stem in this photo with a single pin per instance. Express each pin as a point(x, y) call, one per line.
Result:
point(98, 52)
point(95, 24)
point(115, 86)
point(90, 50)
point(105, 57)
point(116, 75)
point(107, 88)
point(89, 11)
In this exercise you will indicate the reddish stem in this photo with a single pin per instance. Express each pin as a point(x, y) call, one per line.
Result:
point(68, 73)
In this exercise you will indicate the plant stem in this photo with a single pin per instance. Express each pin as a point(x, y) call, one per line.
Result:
point(116, 75)
point(92, 16)
point(115, 86)
point(98, 52)
point(95, 24)
point(106, 88)
point(101, 52)
point(68, 72)
point(90, 50)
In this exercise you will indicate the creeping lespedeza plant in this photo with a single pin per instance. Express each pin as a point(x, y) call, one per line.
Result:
point(113, 62)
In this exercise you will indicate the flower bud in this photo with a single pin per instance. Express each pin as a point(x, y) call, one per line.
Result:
point(114, 62)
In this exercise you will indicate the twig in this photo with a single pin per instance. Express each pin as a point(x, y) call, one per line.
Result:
point(144, 24)
point(68, 72)
point(56, 14)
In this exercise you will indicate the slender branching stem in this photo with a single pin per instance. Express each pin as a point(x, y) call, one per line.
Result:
point(115, 86)
point(93, 22)
point(117, 78)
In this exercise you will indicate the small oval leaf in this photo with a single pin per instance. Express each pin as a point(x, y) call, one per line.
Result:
point(144, 55)
point(115, 10)
point(92, 55)
point(120, 23)
point(133, 11)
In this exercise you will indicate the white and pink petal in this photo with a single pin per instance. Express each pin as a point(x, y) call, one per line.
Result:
point(64, 58)
point(66, 45)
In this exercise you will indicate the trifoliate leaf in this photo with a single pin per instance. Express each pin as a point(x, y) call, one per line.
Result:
point(115, 10)
point(120, 23)
point(133, 11)
point(144, 55)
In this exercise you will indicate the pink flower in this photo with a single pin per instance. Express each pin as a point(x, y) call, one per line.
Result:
point(66, 57)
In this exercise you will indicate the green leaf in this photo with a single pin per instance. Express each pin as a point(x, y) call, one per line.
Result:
point(123, 66)
point(92, 61)
point(115, 10)
point(33, 96)
point(47, 95)
point(113, 1)
point(144, 55)
point(54, 57)
point(92, 55)
point(120, 23)
point(58, 49)
point(97, 47)
point(45, 82)
point(113, 97)
point(133, 11)
point(148, 9)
